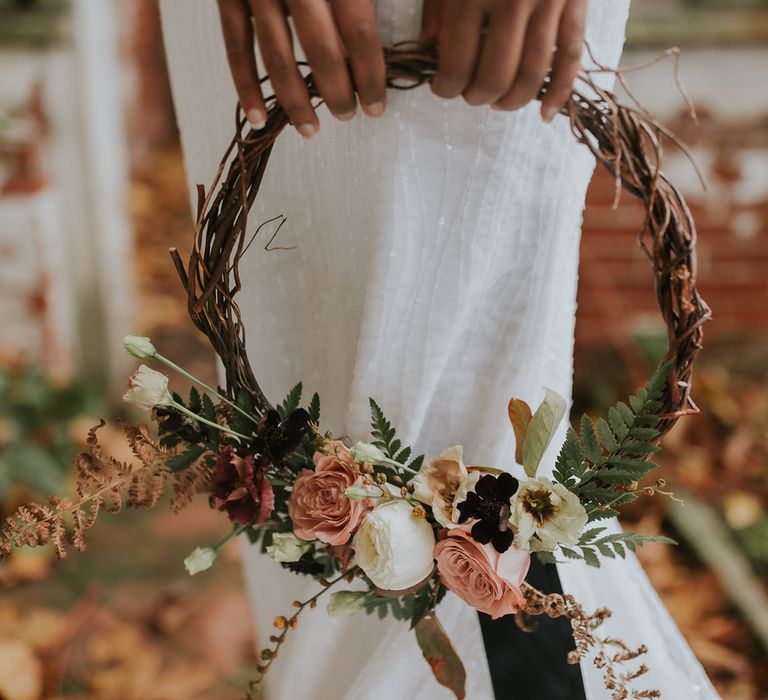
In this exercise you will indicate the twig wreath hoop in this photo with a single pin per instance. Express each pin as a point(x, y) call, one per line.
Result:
point(625, 140)
point(335, 511)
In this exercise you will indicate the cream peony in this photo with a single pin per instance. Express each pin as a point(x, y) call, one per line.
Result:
point(442, 483)
point(545, 515)
point(394, 547)
point(148, 388)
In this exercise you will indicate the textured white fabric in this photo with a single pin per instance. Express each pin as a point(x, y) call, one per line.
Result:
point(435, 269)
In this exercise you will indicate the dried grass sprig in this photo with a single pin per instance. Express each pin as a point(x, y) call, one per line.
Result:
point(103, 483)
point(626, 140)
point(609, 653)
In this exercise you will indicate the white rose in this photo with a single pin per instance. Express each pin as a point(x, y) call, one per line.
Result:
point(148, 388)
point(545, 515)
point(200, 559)
point(286, 547)
point(139, 346)
point(394, 547)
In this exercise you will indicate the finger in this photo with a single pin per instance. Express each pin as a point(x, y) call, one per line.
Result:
point(458, 42)
point(499, 56)
point(356, 20)
point(276, 46)
point(431, 11)
point(321, 43)
point(570, 42)
point(540, 37)
point(238, 40)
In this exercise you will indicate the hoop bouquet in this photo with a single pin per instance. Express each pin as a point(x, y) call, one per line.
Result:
point(382, 529)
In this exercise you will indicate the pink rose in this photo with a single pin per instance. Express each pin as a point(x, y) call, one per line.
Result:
point(479, 575)
point(318, 505)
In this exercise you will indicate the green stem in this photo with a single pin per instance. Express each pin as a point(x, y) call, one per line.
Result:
point(200, 419)
point(184, 373)
point(234, 533)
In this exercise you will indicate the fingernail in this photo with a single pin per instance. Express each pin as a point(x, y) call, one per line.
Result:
point(256, 118)
point(549, 113)
point(375, 109)
point(307, 130)
point(346, 116)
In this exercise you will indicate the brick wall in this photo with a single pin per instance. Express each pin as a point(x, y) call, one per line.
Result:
point(616, 290)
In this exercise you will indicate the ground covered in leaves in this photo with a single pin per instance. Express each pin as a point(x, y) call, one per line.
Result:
point(123, 621)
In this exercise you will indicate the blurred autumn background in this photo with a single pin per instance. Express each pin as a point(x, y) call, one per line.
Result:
point(91, 177)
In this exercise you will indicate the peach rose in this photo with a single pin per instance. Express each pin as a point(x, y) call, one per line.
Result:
point(318, 506)
point(479, 575)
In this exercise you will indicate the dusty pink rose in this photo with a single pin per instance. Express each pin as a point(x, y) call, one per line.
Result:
point(479, 575)
point(318, 505)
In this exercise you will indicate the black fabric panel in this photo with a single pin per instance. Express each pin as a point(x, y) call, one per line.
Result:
point(532, 665)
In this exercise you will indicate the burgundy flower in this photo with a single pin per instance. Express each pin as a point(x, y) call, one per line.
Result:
point(489, 504)
point(241, 488)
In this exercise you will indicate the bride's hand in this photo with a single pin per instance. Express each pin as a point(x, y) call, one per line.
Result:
point(506, 65)
point(327, 32)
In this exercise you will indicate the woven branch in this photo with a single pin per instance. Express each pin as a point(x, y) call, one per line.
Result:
point(626, 140)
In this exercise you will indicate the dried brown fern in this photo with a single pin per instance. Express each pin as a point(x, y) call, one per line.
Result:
point(609, 653)
point(103, 484)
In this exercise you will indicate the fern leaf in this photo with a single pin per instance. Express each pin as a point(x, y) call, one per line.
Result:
point(290, 402)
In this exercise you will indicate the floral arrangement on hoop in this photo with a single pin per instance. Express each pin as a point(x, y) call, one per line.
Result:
point(341, 512)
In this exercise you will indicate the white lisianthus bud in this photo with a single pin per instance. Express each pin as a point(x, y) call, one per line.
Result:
point(365, 452)
point(394, 547)
point(202, 558)
point(358, 493)
point(139, 346)
point(148, 388)
point(346, 602)
point(286, 547)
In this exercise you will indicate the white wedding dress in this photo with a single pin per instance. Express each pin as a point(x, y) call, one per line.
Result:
point(435, 269)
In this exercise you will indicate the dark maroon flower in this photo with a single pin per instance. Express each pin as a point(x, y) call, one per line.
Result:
point(241, 488)
point(489, 503)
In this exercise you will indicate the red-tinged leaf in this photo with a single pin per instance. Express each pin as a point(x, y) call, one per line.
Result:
point(441, 656)
point(520, 417)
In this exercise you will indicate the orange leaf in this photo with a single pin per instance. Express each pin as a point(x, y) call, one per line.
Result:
point(441, 656)
point(520, 417)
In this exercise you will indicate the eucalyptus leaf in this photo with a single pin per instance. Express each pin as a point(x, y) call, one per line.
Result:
point(541, 429)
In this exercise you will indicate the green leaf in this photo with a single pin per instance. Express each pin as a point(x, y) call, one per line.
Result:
point(194, 404)
point(183, 460)
point(606, 436)
point(290, 402)
point(617, 423)
point(588, 535)
point(590, 557)
point(520, 417)
point(441, 656)
point(570, 553)
point(589, 441)
point(541, 430)
point(546, 557)
point(208, 409)
point(403, 456)
point(314, 409)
